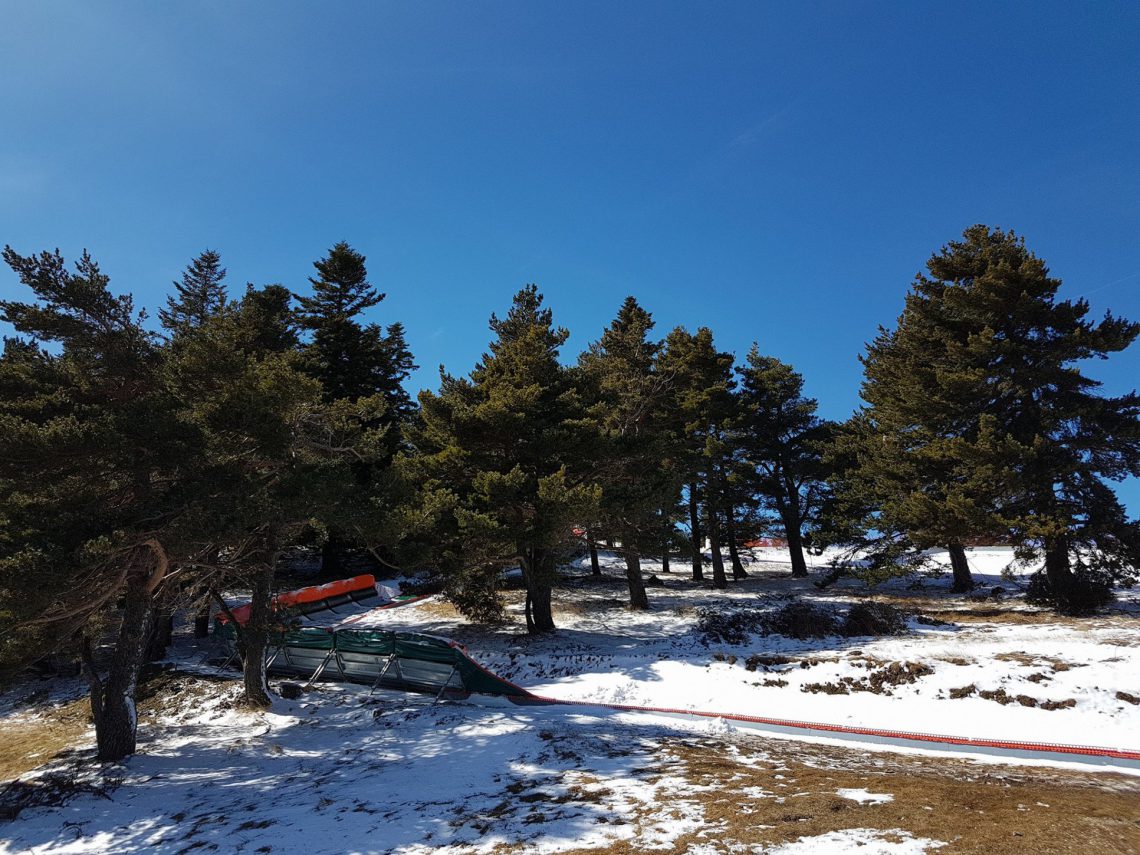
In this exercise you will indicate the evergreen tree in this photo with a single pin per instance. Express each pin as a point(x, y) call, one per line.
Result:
point(782, 440)
point(354, 360)
point(495, 452)
point(399, 365)
point(92, 467)
point(702, 408)
point(200, 294)
point(633, 446)
point(280, 456)
point(980, 422)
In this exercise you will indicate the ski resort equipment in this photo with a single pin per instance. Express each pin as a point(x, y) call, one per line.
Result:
point(316, 639)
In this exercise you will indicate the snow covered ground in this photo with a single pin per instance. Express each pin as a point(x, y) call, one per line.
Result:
point(342, 771)
point(1072, 670)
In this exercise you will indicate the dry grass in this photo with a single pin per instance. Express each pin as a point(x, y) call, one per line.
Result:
point(1030, 661)
point(437, 607)
point(28, 743)
point(1013, 613)
point(974, 809)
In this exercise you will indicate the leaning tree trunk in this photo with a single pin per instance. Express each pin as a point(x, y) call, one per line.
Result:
point(719, 579)
point(256, 635)
point(1059, 573)
point(789, 515)
point(113, 698)
point(695, 533)
point(963, 580)
point(796, 550)
point(595, 568)
point(738, 571)
point(638, 599)
point(538, 573)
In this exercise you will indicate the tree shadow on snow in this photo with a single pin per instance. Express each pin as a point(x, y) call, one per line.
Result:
point(342, 772)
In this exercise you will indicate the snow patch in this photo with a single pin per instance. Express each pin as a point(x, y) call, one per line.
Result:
point(864, 797)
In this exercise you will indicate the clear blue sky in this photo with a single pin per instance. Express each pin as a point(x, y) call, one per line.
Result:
point(777, 171)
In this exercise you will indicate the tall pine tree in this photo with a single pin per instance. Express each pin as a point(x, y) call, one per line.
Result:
point(627, 405)
point(200, 294)
point(93, 468)
point(354, 360)
point(495, 456)
point(702, 409)
point(782, 439)
point(979, 421)
point(278, 455)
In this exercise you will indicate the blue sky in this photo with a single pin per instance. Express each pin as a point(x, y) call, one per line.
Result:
point(777, 172)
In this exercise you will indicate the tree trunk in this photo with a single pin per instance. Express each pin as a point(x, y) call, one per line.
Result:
point(1059, 573)
point(202, 621)
point(963, 581)
point(161, 634)
point(331, 564)
point(738, 571)
point(538, 572)
point(542, 617)
point(791, 519)
point(638, 600)
point(113, 699)
point(595, 568)
point(257, 630)
point(796, 551)
point(695, 533)
point(665, 548)
point(719, 579)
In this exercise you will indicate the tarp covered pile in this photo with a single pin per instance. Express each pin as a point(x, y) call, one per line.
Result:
point(381, 658)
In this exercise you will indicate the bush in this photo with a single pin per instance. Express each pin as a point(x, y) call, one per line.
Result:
point(734, 627)
point(1090, 591)
point(802, 620)
point(868, 618)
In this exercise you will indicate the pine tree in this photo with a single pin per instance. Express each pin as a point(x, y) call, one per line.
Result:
point(200, 294)
point(494, 456)
point(347, 358)
point(279, 455)
point(980, 423)
point(92, 464)
point(354, 360)
point(634, 447)
point(702, 407)
point(782, 440)
point(399, 365)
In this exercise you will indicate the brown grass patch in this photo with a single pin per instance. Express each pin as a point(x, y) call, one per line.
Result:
point(972, 808)
point(29, 743)
point(995, 615)
point(1030, 661)
point(439, 608)
point(1016, 615)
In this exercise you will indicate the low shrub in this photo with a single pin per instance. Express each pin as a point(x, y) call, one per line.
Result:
point(1090, 592)
point(801, 620)
point(869, 618)
point(729, 627)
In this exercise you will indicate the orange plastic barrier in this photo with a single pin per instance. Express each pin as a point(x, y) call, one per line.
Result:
point(311, 594)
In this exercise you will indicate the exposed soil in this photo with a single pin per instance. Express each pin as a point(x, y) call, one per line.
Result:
point(878, 682)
